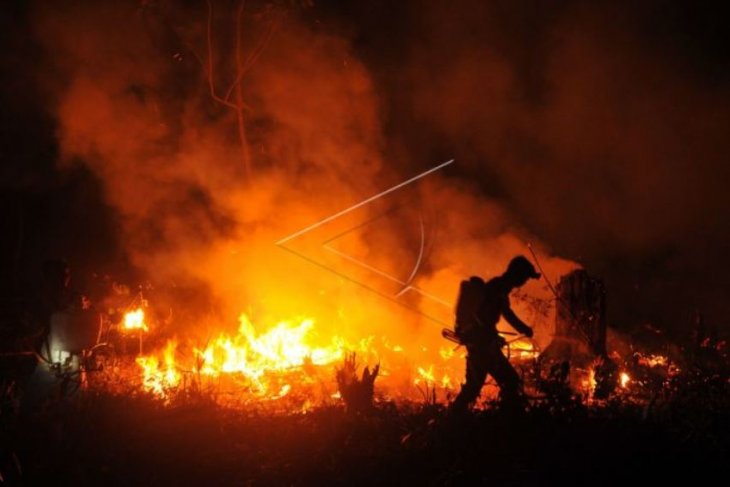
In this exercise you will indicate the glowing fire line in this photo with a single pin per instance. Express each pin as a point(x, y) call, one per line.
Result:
point(254, 357)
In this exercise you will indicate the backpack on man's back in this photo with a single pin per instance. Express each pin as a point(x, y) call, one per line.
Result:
point(471, 294)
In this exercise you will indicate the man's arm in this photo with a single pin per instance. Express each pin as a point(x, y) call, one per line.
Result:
point(513, 320)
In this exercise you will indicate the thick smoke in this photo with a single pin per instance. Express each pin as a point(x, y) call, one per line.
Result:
point(601, 126)
point(133, 105)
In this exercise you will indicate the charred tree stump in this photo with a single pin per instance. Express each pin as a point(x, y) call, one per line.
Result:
point(580, 321)
point(356, 393)
point(580, 328)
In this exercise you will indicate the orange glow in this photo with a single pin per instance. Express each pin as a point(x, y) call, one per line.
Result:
point(298, 358)
point(199, 228)
point(653, 360)
point(160, 378)
point(589, 383)
point(425, 375)
point(261, 360)
point(428, 376)
point(523, 348)
point(624, 379)
point(283, 347)
point(134, 320)
point(287, 357)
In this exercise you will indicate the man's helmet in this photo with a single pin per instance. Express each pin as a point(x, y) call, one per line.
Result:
point(520, 266)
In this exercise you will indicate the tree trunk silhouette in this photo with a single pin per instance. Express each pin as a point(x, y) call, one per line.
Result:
point(234, 94)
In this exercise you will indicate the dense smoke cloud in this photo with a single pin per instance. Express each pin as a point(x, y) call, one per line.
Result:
point(601, 126)
point(597, 128)
point(133, 105)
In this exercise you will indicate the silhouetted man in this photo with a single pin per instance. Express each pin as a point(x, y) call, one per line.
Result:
point(483, 343)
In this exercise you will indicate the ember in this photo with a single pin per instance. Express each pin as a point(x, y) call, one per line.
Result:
point(653, 360)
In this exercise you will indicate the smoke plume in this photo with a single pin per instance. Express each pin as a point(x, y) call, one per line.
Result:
point(133, 104)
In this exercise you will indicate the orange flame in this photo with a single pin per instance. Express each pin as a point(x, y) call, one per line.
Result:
point(290, 359)
point(589, 382)
point(157, 378)
point(523, 348)
point(285, 346)
point(653, 360)
point(256, 358)
point(134, 320)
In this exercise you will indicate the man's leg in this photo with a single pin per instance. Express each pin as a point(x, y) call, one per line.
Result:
point(476, 373)
point(510, 384)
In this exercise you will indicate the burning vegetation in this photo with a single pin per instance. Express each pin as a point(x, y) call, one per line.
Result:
point(292, 366)
point(241, 402)
point(275, 294)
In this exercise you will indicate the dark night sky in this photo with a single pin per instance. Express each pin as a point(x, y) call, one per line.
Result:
point(601, 127)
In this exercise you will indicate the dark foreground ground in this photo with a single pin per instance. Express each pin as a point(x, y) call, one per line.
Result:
point(101, 439)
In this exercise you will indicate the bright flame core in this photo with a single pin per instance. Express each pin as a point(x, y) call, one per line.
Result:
point(653, 360)
point(134, 320)
point(262, 361)
point(283, 347)
point(158, 378)
point(291, 359)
